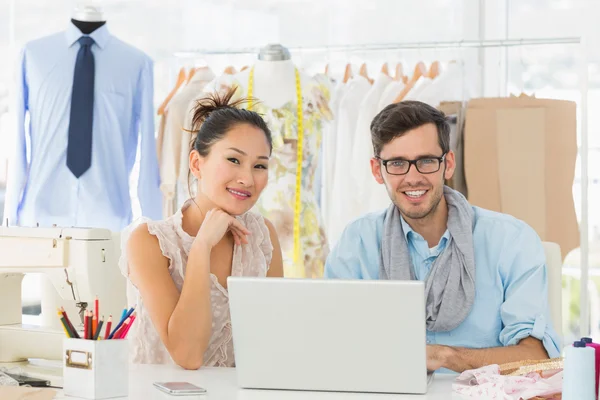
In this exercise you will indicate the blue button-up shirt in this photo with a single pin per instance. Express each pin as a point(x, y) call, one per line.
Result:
point(511, 300)
point(40, 188)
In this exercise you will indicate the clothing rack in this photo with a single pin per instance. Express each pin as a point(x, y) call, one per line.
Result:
point(390, 46)
point(477, 44)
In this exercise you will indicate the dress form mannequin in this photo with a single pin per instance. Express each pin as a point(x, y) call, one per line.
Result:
point(87, 17)
point(290, 200)
point(274, 77)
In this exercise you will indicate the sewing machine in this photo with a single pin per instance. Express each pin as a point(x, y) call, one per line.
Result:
point(77, 265)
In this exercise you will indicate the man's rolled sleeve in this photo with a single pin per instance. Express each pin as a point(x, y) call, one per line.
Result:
point(525, 310)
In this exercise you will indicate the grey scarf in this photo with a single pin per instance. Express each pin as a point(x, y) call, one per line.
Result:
point(450, 284)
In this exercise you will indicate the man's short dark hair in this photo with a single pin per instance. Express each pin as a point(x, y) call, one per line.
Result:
point(397, 119)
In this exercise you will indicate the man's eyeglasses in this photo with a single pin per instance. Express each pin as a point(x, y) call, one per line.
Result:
point(425, 165)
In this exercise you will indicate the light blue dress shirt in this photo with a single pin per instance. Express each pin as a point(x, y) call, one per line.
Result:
point(511, 300)
point(40, 188)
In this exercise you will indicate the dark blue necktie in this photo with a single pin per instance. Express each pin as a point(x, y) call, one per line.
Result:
point(79, 149)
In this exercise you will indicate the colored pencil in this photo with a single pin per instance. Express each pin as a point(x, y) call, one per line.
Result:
point(108, 324)
point(121, 322)
point(124, 335)
point(90, 325)
point(63, 324)
point(95, 317)
point(98, 328)
point(73, 330)
point(86, 328)
point(120, 331)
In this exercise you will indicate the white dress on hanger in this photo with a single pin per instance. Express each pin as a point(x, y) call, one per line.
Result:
point(343, 182)
point(329, 153)
point(183, 186)
point(174, 144)
point(446, 87)
point(390, 93)
point(422, 84)
point(362, 151)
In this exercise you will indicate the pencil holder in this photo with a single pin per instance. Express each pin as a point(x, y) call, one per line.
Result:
point(95, 369)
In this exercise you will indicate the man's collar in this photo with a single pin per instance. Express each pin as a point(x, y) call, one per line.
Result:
point(407, 229)
point(100, 35)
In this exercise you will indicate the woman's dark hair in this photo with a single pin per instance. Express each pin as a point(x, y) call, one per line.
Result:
point(397, 119)
point(215, 115)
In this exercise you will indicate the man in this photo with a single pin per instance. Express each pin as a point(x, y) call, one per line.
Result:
point(484, 272)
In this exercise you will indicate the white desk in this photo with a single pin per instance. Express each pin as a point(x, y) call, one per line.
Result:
point(221, 384)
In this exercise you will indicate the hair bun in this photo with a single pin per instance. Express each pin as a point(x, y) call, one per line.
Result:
point(212, 103)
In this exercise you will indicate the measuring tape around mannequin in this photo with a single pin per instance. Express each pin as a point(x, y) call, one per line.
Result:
point(300, 157)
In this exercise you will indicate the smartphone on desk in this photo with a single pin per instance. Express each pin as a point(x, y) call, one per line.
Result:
point(180, 388)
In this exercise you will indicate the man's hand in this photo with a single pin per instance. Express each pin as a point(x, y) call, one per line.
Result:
point(437, 356)
point(460, 359)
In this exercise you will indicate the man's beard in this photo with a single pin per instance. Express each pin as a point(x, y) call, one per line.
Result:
point(420, 212)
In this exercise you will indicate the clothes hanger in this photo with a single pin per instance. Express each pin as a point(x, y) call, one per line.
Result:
point(191, 74)
point(385, 70)
point(348, 73)
point(181, 78)
point(363, 72)
point(399, 74)
point(420, 70)
point(434, 70)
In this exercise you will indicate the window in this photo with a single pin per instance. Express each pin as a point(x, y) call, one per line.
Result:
point(553, 72)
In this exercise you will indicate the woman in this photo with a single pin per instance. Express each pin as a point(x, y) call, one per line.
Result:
point(178, 267)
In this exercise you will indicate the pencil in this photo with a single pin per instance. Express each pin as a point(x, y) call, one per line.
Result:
point(119, 332)
point(73, 330)
point(86, 328)
point(62, 322)
point(121, 322)
point(108, 324)
point(64, 327)
point(96, 316)
point(90, 326)
point(97, 334)
point(124, 335)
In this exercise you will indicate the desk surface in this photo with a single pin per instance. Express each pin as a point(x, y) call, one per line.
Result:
point(221, 383)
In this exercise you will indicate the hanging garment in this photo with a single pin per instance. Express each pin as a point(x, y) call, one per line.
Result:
point(389, 94)
point(422, 84)
point(449, 86)
point(329, 152)
point(185, 183)
point(174, 146)
point(520, 156)
point(368, 195)
point(41, 188)
point(328, 84)
point(278, 200)
point(343, 183)
point(456, 118)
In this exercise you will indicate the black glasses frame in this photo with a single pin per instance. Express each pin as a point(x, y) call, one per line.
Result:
point(413, 162)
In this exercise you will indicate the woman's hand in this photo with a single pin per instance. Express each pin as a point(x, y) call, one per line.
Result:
point(216, 224)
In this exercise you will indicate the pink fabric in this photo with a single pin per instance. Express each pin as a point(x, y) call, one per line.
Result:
point(487, 383)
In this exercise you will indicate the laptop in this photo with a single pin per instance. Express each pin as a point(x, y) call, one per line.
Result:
point(329, 335)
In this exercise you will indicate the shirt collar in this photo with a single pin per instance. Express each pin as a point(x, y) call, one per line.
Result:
point(408, 230)
point(100, 35)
